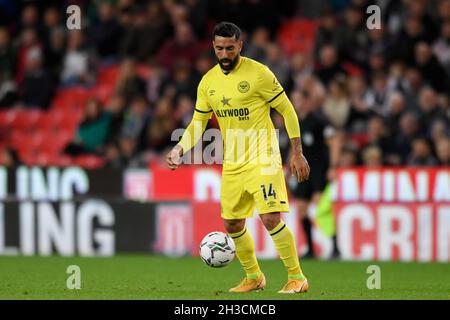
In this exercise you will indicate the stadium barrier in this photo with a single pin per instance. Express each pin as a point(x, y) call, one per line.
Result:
point(384, 214)
point(380, 214)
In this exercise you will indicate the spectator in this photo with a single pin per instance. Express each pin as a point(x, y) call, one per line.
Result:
point(29, 41)
point(443, 151)
point(439, 130)
point(159, 130)
point(337, 105)
point(183, 80)
point(348, 157)
point(277, 62)
point(129, 83)
point(353, 37)
point(380, 93)
point(184, 110)
point(361, 97)
point(396, 77)
point(128, 153)
point(377, 133)
point(380, 42)
point(38, 85)
point(30, 19)
point(256, 48)
point(441, 47)
point(396, 107)
point(183, 46)
point(412, 33)
point(77, 62)
point(8, 92)
point(157, 82)
point(428, 109)
point(377, 62)
point(7, 56)
point(116, 109)
point(136, 118)
point(146, 29)
point(421, 153)
point(92, 133)
point(203, 63)
point(409, 129)
point(52, 22)
point(418, 10)
point(443, 102)
point(106, 34)
point(300, 68)
point(326, 33)
point(443, 11)
point(198, 16)
point(178, 13)
point(412, 85)
point(429, 67)
point(372, 157)
point(55, 51)
point(9, 158)
point(329, 65)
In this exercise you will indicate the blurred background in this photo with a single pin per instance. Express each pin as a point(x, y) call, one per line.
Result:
point(111, 93)
point(108, 96)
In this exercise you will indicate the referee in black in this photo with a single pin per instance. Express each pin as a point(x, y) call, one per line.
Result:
point(321, 148)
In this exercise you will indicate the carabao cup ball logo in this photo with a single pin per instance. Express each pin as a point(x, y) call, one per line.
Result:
point(243, 86)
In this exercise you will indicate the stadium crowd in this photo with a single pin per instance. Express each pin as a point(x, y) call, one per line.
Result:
point(385, 92)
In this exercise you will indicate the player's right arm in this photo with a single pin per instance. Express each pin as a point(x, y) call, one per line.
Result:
point(195, 129)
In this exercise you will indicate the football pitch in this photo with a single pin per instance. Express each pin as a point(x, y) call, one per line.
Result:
point(154, 278)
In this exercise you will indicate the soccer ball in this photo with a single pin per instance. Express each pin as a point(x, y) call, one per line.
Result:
point(217, 249)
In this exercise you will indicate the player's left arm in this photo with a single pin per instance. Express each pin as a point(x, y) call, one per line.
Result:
point(298, 164)
point(274, 94)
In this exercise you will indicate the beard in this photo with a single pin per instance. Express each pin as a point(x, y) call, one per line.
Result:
point(230, 63)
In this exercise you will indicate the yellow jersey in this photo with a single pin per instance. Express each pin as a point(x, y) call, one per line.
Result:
point(241, 101)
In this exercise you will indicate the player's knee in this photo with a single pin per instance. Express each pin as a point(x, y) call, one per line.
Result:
point(234, 226)
point(270, 221)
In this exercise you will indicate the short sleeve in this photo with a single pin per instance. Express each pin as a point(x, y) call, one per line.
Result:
point(270, 89)
point(201, 105)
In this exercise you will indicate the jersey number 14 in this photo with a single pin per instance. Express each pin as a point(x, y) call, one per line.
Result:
point(270, 193)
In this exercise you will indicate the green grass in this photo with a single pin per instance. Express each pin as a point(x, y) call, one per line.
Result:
point(152, 277)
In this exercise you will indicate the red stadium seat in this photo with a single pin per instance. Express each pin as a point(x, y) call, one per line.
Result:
point(46, 122)
point(108, 75)
point(298, 35)
point(103, 91)
point(143, 71)
point(26, 119)
point(53, 142)
point(53, 119)
point(72, 98)
point(7, 118)
point(89, 161)
point(70, 121)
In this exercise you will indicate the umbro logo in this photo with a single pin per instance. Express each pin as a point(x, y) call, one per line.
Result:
point(276, 84)
point(211, 92)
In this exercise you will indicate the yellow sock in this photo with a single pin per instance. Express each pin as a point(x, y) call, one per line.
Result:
point(245, 251)
point(285, 245)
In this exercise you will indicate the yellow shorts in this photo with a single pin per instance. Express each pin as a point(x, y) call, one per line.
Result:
point(240, 193)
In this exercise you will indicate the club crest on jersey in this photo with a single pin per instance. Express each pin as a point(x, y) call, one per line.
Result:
point(243, 86)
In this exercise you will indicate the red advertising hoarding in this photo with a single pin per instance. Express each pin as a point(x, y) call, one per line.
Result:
point(383, 214)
